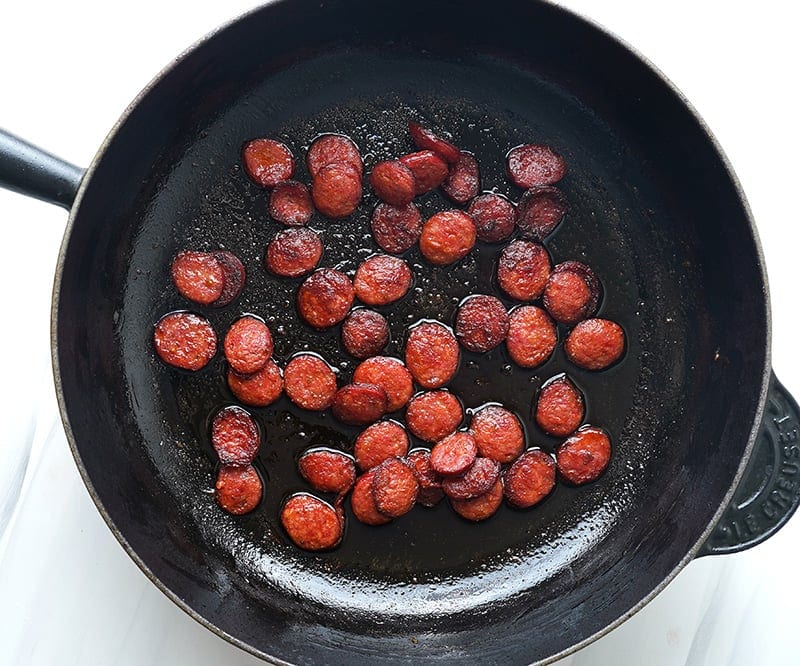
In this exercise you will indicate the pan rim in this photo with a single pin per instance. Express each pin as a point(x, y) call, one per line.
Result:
point(154, 83)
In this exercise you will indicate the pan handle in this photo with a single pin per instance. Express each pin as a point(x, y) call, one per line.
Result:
point(769, 491)
point(26, 169)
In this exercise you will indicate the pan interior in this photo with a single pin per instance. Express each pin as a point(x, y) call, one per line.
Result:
point(652, 210)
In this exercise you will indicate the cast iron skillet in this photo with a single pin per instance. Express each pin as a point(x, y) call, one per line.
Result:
point(656, 211)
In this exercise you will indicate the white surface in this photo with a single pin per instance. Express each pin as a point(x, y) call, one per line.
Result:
point(72, 596)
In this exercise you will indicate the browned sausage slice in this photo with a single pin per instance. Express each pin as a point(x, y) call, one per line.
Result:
point(559, 407)
point(494, 217)
point(336, 190)
point(267, 161)
point(379, 442)
point(198, 276)
point(428, 168)
point(185, 340)
point(310, 382)
point(248, 345)
point(290, 203)
point(481, 323)
point(235, 436)
point(474, 482)
point(425, 139)
point(584, 456)
point(498, 434)
point(447, 237)
point(540, 211)
point(595, 344)
point(324, 299)
point(311, 523)
point(532, 336)
point(523, 270)
point(432, 354)
point(430, 483)
point(396, 228)
point(333, 149)
point(393, 182)
point(391, 375)
point(362, 501)
point(434, 415)
point(293, 252)
point(572, 292)
point(365, 333)
point(530, 478)
point(259, 389)
point(481, 507)
point(238, 489)
point(359, 404)
point(394, 488)
point(535, 164)
point(327, 471)
point(464, 181)
point(454, 454)
point(234, 277)
point(381, 280)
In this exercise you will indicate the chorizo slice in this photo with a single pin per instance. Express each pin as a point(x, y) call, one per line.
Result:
point(290, 203)
point(434, 415)
point(327, 471)
point(359, 404)
point(540, 210)
point(481, 507)
point(595, 344)
point(310, 382)
point(238, 489)
point(494, 216)
point(454, 455)
point(530, 478)
point(293, 252)
point(379, 442)
point(429, 170)
point(365, 333)
point(474, 482)
point(362, 501)
point(235, 436)
point(532, 336)
point(572, 293)
point(394, 488)
point(336, 190)
point(248, 345)
point(464, 180)
point(425, 139)
point(198, 276)
point(381, 280)
point(185, 340)
point(430, 483)
point(481, 323)
point(259, 389)
point(559, 406)
point(391, 375)
point(333, 149)
point(498, 434)
point(393, 182)
point(324, 299)
point(584, 456)
point(311, 523)
point(234, 277)
point(534, 164)
point(267, 162)
point(432, 354)
point(523, 270)
point(396, 228)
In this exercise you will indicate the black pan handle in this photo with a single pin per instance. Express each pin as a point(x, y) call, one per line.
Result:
point(769, 491)
point(26, 169)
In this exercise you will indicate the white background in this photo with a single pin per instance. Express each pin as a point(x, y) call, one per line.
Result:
point(68, 69)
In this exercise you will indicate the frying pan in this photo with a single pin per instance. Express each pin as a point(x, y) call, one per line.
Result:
point(656, 211)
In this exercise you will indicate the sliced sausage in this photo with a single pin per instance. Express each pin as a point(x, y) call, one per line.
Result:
point(523, 270)
point(198, 276)
point(454, 455)
point(359, 404)
point(336, 190)
point(379, 442)
point(559, 407)
point(324, 299)
point(394, 488)
point(534, 164)
point(382, 279)
point(259, 389)
point(540, 210)
point(494, 217)
point(365, 333)
point(293, 252)
point(185, 340)
point(572, 292)
point(396, 228)
point(425, 139)
point(430, 483)
point(333, 149)
point(267, 161)
point(447, 237)
point(393, 182)
point(248, 345)
point(362, 501)
point(235, 436)
point(234, 277)
point(474, 482)
point(481, 507)
point(432, 354)
point(434, 415)
point(481, 323)
point(311, 523)
point(498, 434)
point(290, 203)
point(584, 456)
point(464, 181)
point(310, 382)
point(391, 375)
point(238, 489)
point(428, 168)
point(530, 478)
point(327, 471)
point(532, 336)
point(595, 344)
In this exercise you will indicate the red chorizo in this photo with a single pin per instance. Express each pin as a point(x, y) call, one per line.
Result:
point(394, 488)
point(391, 375)
point(185, 340)
point(464, 181)
point(311, 523)
point(530, 478)
point(494, 217)
point(425, 139)
point(365, 333)
point(290, 203)
point(259, 389)
point(324, 299)
point(584, 456)
point(381, 280)
point(430, 483)
point(336, 190)
point(595, 344)
point(327, 471)
point(481, 507)
point(267, 162)
point(559, 407)
point(428, 168)
point(198, 276)
point(396, 228)
point(498, 434)
point(293, 252)
point(238, 488)
point(333, 149)
point(481, 323)
point(359, 404)
point(540, 211)
point(432, 354)
point(534, 164)
point(434, 415)
point(379, 442)
point(454, 455)
point(572, 292)
point(532, 336)
point(523, 270)
point(393, 182)
point(235, 436)
point(362, 501)
point(248, 345)
point(447, 237)
point(234, 277)
point(474, 482)
point(310, 382)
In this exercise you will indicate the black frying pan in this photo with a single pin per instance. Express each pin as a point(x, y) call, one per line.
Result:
point(655, 210)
